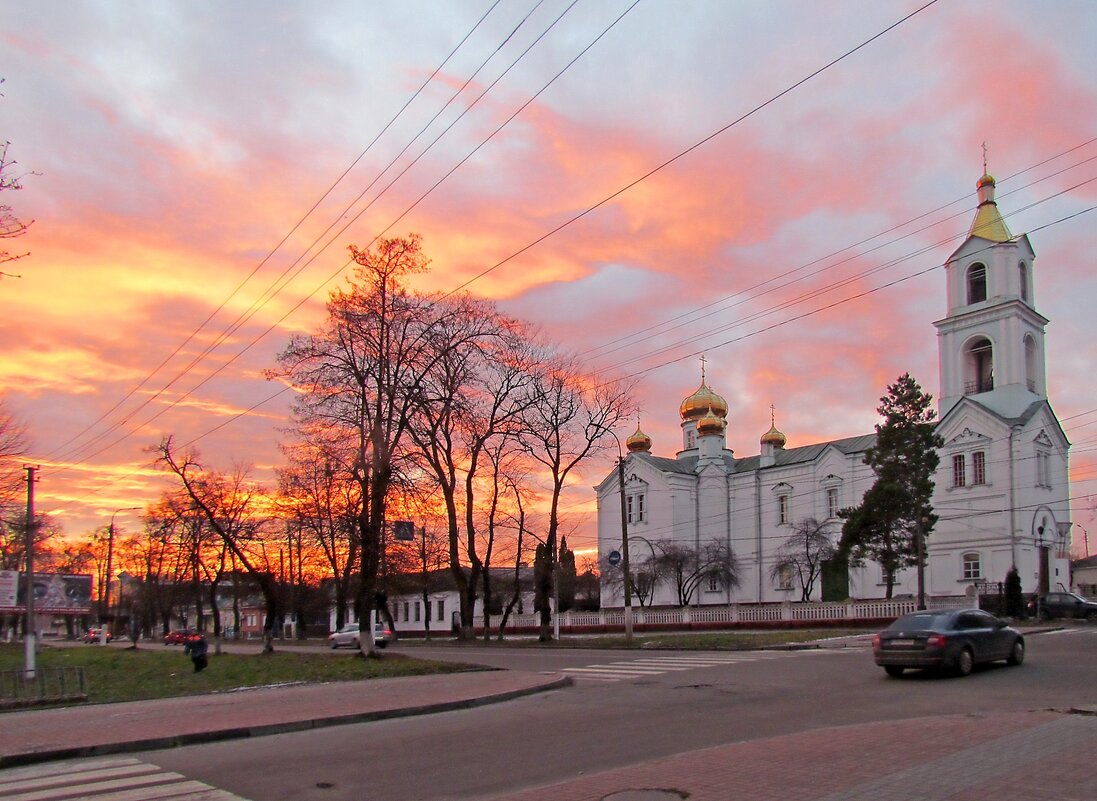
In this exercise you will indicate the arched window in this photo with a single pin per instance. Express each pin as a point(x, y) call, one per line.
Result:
point(972, 566)
point(1030, 363)
point(979, 367)
point(976, 283)
point(1022, 270)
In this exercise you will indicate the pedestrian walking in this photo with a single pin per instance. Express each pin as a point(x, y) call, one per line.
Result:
point(197, 648)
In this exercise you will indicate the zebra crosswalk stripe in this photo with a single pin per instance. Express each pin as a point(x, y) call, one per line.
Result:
point(657, 665)
point(105, 779)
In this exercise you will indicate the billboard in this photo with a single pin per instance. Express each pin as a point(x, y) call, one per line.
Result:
point(54, 593)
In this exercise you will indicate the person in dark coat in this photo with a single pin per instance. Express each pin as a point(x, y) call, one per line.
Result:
point(197, 648)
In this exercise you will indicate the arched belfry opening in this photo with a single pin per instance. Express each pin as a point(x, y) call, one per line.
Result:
point(976, 283)
point(978, 366)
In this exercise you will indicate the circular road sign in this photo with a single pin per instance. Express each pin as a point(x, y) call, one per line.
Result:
point(614, 558)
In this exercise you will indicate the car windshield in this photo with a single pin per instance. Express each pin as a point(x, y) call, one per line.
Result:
point(350, 627)
point(922, 620)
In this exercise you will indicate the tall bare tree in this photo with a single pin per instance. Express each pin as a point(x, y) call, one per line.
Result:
point(362, 376)
point(804, 555)
point(471, 406)
point(226, 503)
point(568, 421)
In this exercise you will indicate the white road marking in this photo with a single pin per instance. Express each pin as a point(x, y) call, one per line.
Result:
point(105, 779)
point(658, 665)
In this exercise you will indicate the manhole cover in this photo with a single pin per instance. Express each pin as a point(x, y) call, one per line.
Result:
point(646, 794)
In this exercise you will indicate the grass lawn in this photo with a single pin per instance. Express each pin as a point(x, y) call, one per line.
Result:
point(118, 673)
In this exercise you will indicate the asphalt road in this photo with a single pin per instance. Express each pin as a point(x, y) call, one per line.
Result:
point(660, 708)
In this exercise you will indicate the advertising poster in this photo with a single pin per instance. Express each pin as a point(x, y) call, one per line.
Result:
point(54, 593)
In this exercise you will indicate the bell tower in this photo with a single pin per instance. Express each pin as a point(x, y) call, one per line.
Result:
point(991, 343)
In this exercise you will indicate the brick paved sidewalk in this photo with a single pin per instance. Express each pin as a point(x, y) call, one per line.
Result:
point(78, 731)
point(1028, 756)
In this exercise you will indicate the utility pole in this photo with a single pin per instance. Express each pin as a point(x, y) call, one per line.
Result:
point(922, 563)
point(30, 635)
point(110, 566)
point(624, 550)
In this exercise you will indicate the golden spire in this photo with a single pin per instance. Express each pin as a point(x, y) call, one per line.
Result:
point(638, 442)
point(988, 222)
point(702, 401)
point(773, 436)
point(710, 424)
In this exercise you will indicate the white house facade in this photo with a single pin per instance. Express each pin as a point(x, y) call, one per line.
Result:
point(1001, 490)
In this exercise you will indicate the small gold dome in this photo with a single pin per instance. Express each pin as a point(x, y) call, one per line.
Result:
point(703, 401)
point(986, 180)
point(638, 442)
point(774, 437)
point(710, 424)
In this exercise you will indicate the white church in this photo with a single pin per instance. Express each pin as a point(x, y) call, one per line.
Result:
point(1001, 490)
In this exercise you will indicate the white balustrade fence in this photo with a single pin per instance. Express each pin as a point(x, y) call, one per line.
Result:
point(733, 615)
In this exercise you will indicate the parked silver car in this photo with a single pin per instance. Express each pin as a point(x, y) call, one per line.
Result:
point(349, 636)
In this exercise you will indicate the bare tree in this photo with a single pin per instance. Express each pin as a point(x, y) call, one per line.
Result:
point(316, 493)
point(646, 576)
point(568, 421)
point(13, 446)
point(470, 409)
point(362, 377)
point(804, 554)
point(226, 504)
point(687, 567)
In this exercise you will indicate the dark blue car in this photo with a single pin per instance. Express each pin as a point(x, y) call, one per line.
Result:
point(956, 639)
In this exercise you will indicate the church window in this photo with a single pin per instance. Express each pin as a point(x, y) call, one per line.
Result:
point(782, 509)
point(635, 508)
point(832, 502)
point(959, 476)
point(713, 584)
point(784, 577)
point(1022, 270)
point(976, 284)
point(1030, 363)
point(972, 566)
point(1043, 470)
point(978, 468)
point(690, 439)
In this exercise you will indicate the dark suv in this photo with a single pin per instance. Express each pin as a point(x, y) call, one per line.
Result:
point(1062, 604)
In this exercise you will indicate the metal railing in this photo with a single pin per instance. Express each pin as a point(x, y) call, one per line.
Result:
point(49, 686)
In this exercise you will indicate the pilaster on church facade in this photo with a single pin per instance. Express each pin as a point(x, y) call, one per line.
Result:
point(1001, 490)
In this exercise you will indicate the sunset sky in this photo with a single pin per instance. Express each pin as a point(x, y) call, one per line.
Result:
point(794, 236)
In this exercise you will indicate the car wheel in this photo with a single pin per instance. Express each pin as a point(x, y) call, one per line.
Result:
point(895, 671)
point(355, 643)
point(334, 645)
point(965, 661)
point(1016, 653)
point(382, 644)
point(1091, 617)
point(1044, 615)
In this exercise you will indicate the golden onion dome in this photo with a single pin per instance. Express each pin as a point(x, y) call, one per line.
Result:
point(986, 180)
point(638, 442)
point(710, 424)
point(774, 437)
point(701, 402)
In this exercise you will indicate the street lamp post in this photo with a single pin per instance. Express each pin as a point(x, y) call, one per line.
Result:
point(110, 560)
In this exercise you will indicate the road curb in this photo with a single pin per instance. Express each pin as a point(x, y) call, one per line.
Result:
point(286, 727)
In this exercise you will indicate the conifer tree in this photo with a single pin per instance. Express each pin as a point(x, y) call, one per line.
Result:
point(897, 508)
